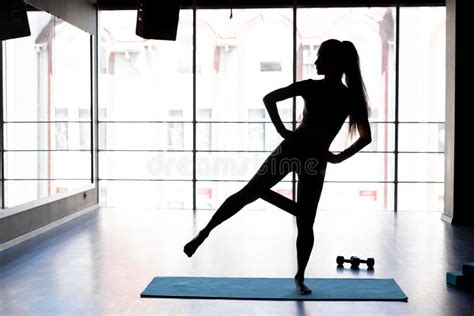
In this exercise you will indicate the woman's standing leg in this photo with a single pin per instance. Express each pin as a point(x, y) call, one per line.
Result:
point(270, 173)
point(309, 192)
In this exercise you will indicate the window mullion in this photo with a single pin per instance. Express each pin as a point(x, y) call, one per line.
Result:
point(397, 88)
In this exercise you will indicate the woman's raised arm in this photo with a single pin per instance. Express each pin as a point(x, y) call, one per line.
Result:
point(271, 99)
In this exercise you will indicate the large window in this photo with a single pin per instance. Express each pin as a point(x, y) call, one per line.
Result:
point(241, 60)
point(365, 181)
point(164, 144)
point(145, 115)
point(422, 108)
point(46, 110)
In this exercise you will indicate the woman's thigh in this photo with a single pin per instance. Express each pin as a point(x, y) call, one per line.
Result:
point(277, 165)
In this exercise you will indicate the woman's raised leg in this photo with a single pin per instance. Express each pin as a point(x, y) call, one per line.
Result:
point(266, 177)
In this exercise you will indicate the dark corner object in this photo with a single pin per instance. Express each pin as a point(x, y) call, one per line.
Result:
point(158, 19)
point(13, 19)
point(464, 279)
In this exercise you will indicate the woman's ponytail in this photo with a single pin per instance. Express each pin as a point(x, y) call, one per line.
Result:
point(355, 83)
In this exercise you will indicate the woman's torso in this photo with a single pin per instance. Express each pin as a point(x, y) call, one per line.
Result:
point(326, 107)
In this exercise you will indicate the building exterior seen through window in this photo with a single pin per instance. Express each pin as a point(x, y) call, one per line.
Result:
point(163, 142)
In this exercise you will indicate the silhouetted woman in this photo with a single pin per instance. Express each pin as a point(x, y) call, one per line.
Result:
point(327, 104)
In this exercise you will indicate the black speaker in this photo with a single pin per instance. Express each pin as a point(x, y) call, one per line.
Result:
point(13, 19)
point(158, 19)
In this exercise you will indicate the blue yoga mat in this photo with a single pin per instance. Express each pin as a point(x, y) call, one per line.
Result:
point(274, 289)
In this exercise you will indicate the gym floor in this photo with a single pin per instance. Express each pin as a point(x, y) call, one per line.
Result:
point(99, 263)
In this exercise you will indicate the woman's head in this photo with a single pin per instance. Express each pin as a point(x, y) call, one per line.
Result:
point(336, 58)
point(329, 58)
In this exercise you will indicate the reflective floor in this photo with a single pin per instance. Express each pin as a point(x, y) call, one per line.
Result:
point(98, 264)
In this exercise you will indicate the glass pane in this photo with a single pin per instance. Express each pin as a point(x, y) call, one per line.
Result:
point(237, 136)
point(362, 167)
point(20, 59)
point(144, 80)
point(48, 165)
point(145, 165)
point(48, 72)
point(422, 64)
point(421, 167)
point(146, 136)
point(23, 191)
point(210, 195)
point(229, 166)
point(147, 194)
point(421, 137)
point(239, 61)
point(357, 197)
point(421, 197)
point(371, 31)
point(70, 77)
point(35, 136)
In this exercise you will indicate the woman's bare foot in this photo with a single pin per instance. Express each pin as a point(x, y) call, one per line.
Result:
point(301, 287)
point(191, 247)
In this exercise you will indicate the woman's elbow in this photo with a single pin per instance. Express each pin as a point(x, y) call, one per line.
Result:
point(365, 136)
point(367, 139)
